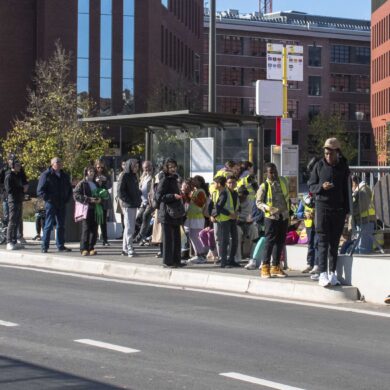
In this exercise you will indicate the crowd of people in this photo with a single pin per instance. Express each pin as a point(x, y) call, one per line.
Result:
point(223, 222)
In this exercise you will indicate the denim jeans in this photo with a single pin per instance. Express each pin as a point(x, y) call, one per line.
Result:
point(366, 240)
point(312, 247)
point(58, 215)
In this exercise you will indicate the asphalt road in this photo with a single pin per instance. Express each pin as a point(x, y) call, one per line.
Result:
point(185, 340)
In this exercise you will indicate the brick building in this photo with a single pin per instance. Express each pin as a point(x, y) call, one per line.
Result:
point(129, 55)
point(380, 77)
point(336, 70)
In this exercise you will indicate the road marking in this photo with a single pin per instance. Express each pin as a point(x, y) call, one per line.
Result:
point(6, 323)
point(205, 291)
point(258, 381)
point(101, 344)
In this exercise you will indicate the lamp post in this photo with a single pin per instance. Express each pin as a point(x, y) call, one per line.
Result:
point(359, 117)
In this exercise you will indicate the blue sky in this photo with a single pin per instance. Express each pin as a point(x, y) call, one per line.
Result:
point(354, 9)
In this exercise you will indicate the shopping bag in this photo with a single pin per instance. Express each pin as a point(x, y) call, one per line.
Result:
point(80, 211)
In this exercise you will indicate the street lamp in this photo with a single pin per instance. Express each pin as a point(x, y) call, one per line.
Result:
point(359, 117)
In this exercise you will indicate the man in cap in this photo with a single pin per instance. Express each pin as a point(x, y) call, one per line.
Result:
point(329, 184)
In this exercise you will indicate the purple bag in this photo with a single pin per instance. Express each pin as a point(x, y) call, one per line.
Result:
point(80, 211)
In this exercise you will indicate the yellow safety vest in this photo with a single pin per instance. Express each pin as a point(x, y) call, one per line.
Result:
point(221, 172)
point(228, 206)
point(194, 211)
point(283, 186)
point(244, 182)
point(309, 222)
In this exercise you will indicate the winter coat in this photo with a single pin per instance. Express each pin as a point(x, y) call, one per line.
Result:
point(53, 189)
point(129, 193)
point(13, 184)
point(4, 172)
point(82, 193)
point(168, 186)
point(336, 197)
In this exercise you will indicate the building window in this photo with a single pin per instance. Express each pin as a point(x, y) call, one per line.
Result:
point(196, 68)
point(83, 47)
point(105, 56)
point(340, 83)
point(230, 44)
point(128, 55)
point(258, 47)
point(362, 84)
point(314, 85)
point(314, 110)
point(341, 110)
point(340, 54)
point(293, 109)
point(257, 74)
point(362, 55)
point(315, 56)
point(165, 3)
point(229, 105)
point(230, 76)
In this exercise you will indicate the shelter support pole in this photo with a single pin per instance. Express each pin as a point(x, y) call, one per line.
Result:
point(212, 62)
point(260, 150)
point(148, 144)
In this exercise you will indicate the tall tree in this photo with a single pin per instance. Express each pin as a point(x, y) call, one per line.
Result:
point(51, 126)
point(323, 127)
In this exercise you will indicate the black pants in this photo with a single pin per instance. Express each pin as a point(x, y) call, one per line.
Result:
point(312, 246)
point(89, 230)
point(275, 236)
point(14, 220)
point(39, 222)
point(227, 230)
point(329, 227)
point(171, 244)
point(103, 226)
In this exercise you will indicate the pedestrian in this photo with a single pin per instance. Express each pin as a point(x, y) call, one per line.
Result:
point(248, 180)
point(363, 213)
point(129, 196)
point(273, 199)
point(118, 206)
point(55, 188)
point(145, 212)
point(225, 213)
point(170, 214)
point(103, 181)
point(306, 211)
point(329, 182)
point(14, 188)
point(84, 192)
point(39, 208)
point(195, 220)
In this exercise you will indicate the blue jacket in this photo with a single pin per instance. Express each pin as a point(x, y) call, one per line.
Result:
point(53, 189)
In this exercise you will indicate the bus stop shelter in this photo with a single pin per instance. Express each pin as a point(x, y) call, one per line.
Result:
point(171, 126)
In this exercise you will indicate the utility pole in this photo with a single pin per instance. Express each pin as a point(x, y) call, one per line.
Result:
point(212, 58)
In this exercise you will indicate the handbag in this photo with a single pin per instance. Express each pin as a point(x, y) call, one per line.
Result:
point(175, 209)
point(80, 211)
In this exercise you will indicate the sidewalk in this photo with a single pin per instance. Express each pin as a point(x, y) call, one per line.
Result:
point(146, 267)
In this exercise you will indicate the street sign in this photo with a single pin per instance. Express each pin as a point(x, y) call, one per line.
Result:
point(269, 98)
point(290, 167)
point(286, 131)
point(294, 63)
point(274, 61)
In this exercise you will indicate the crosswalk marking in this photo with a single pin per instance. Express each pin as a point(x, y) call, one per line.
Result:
point(101, 344)
point(6, 323)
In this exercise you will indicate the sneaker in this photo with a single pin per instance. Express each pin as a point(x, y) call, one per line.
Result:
point(315, 276)
point(307, 269)
point(64, 249)
point(44, 250)
point(251, 265)
point(194, 260)
point(84, 253)
point(11, 246)
point(37, 238)
point(22, 241)
point(158, 255)
point(92, 252)
point(265, 271)
point(106, 243)
point(130, 253)
point(277, 272)
point(333, 279)
point(315, 270)
point(323, 280)
point(210, 255)
point(387, 300)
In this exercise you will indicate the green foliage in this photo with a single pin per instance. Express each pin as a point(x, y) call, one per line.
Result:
point(323, 127)
point(51, 127)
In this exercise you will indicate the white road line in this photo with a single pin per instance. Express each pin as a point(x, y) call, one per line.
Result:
point(6, 323)
point(258, 381)
point(101, 344)
point(205, 291)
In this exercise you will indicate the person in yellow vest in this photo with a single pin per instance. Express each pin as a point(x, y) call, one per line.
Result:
point(230, 168)
point(363, 213)
point(248, 180)
point(273, 199)
point(225, 208)
point(306, 212)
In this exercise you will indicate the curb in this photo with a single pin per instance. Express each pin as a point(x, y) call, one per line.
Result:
point(286, 289)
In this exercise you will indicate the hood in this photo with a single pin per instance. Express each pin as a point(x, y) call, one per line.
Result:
point(130, 163)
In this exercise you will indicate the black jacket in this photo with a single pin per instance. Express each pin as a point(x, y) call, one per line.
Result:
point(168, 186)
point(82, 193)
point(13, 185)
point(53, 189)
point(5, 171)
point(338, 196)
point(128, 189)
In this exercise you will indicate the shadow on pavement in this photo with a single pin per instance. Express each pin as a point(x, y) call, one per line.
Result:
point(18, 374)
